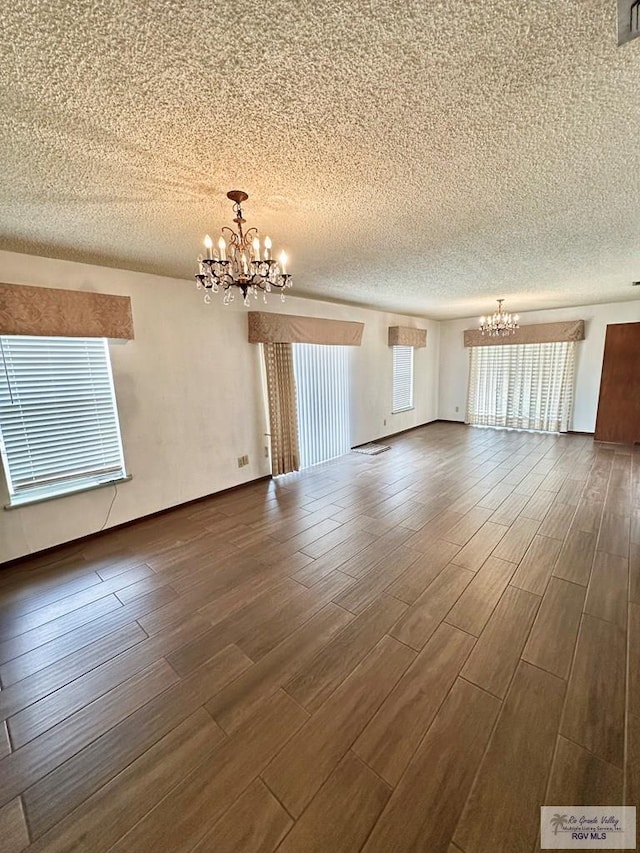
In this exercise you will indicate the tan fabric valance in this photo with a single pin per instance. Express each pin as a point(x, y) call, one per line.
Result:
point(406, 336)
point(47, 311)
point(265, 328)
point(538, 333)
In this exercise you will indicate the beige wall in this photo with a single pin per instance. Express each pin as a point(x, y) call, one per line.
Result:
point(454, 358)
point(190, 397)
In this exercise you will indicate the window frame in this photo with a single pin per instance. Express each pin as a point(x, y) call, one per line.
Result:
point(97, 370)
point(396, 391)
point(323, 394)
point(522, 386)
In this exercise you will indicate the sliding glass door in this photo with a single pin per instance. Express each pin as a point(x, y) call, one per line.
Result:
point(522, 386)
point(322, 391)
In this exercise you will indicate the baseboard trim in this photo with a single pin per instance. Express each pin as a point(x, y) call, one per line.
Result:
point(394, 434)
point(578, 432)
point(81, 539)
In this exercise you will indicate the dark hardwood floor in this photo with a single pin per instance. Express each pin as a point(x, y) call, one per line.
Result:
point(405, 652)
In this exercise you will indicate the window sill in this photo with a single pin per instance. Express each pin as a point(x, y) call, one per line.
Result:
point(44, 498)
point(400, 411)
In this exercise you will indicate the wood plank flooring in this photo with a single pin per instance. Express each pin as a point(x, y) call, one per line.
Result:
point(406, 652)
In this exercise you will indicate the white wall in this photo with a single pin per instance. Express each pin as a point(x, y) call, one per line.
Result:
point(190, 397)
point(454, 358)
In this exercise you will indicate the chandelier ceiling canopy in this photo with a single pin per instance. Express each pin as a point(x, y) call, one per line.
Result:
point(239, 262)
point(500, 323)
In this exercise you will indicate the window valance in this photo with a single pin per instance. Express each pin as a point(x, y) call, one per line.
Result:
point(51, 312)
point(267, 328)
point(538, 333)
point(406, 336)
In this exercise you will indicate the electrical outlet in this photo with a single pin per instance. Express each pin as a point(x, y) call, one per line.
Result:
point(245, 460)
point(384, 423)
point(240, 461)
point(457, 408)
point(266, 452)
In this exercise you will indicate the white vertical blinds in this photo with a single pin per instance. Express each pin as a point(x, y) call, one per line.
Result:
point(322, 392)
point(59, 428)
point(524, 386)
point(402, 379)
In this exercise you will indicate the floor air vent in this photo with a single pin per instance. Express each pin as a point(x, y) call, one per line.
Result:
point(371, 449)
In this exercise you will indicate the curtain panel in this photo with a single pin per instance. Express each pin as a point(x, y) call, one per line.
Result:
point(523, 386)
point(283, 418)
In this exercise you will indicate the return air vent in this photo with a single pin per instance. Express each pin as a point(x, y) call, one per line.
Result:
point(628, 20)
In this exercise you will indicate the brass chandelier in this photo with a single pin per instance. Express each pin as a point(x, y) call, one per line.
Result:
point(500, 323)
point(240, 263)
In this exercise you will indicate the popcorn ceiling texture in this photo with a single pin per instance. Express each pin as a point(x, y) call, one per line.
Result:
point(426, 156)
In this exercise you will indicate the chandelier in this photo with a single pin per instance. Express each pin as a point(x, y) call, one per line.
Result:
point(239, 262)
point(499, 324)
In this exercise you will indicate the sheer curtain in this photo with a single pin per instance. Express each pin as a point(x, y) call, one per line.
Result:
point(524, 386)
point(281, 390)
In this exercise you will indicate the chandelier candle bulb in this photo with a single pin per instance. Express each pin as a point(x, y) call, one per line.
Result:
point(256, 249)
point(223, 247)
point(267, 248)
point(208, 242)
point(283, 262)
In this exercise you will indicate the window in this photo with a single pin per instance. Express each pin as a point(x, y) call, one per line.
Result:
point(402, 379)
point(59, 430)
point(523, 386)
point(322, 399)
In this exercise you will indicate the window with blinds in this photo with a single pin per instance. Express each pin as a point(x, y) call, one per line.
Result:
point(402, 379)
point(59, 429)
point(522, 386)
point(322, 400)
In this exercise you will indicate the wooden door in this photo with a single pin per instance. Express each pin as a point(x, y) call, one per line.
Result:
point(619, 404)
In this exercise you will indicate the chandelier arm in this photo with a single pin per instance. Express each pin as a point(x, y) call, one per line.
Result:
point(250, 234)
point(233, 236)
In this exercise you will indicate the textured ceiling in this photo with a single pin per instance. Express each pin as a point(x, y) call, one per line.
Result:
point(427, 156)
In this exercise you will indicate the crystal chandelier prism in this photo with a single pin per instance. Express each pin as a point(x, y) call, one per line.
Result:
point(500, 323)
point(239, 263)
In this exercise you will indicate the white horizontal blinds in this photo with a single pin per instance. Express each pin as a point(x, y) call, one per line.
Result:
point(322, 393)
point(524, 386)
point(58, 419)
point(402, 378)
